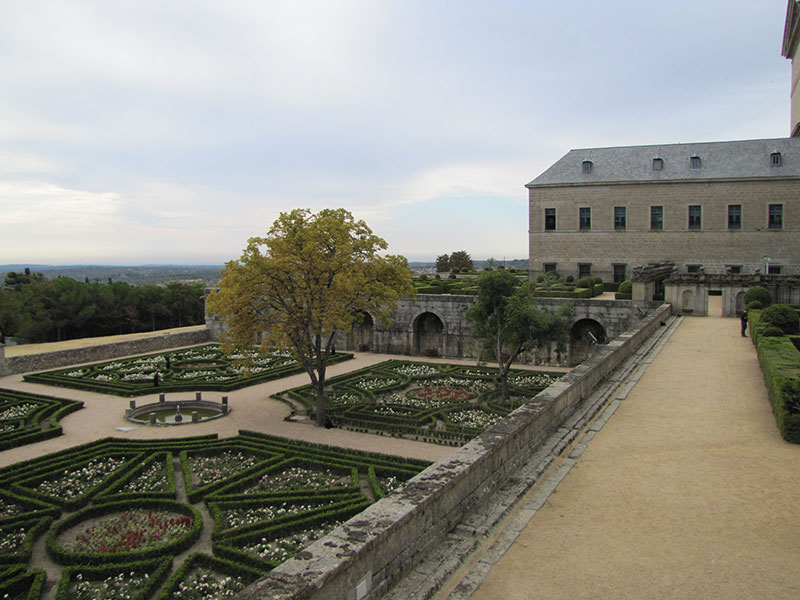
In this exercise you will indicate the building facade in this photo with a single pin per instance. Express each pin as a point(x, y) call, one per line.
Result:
point(791, 40)
point(717, 207)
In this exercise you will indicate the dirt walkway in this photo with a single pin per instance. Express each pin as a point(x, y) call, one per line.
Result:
point(687, 492)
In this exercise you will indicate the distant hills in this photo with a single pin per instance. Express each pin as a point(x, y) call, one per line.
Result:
point(160, 274)
point(135, 275)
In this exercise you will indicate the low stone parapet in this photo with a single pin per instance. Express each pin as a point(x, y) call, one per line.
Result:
point(43, 361)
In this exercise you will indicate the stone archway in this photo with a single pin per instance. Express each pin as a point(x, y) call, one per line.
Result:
point(428, 334)
point(361, 336)
point(584, 335)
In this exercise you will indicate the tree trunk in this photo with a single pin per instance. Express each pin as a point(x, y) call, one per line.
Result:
point(322, 403)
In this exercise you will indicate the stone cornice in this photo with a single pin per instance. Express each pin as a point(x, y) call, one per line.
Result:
point(791, 30)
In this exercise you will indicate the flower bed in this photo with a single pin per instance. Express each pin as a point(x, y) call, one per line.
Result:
point(28, 418)
point(439, 403)
point(118, 546)
point(201, 368)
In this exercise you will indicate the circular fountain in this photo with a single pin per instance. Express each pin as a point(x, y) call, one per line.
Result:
point(180, 412)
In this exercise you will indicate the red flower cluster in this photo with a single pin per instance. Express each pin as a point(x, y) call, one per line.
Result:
point(441, 394)
point(132, 530)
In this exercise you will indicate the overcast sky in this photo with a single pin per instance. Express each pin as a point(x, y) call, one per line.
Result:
point(172, 131)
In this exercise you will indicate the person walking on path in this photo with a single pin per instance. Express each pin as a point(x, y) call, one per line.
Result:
point(743, 319)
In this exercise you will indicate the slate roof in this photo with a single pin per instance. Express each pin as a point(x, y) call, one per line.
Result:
point(718, 160)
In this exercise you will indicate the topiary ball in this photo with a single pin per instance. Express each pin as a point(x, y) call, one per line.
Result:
point(782, 316)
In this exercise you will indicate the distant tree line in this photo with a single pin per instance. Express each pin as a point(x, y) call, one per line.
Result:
point(36, 309)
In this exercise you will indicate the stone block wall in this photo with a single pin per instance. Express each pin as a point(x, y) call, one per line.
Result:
point(11, 365)
point(366, 556)
point(714, 246)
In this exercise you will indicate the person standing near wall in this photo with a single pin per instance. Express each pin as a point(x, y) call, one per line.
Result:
point(743, 319)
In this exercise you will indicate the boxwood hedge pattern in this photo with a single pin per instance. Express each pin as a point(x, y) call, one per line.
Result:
point(262, 498)
point(440, 403)
point(28, 418)
point(194, 369)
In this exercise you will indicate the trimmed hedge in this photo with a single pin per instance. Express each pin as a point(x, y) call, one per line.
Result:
point(182, 362)
point(157, 570)
point(780, 363)
point(225, 567)
point(38, 424)
point(35, 513)
point(66, 557)
point(363, 400)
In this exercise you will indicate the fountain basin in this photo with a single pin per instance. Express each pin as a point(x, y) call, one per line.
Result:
point(176, 412)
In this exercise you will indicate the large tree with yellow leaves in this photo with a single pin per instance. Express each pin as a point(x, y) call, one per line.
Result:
point(312, 276)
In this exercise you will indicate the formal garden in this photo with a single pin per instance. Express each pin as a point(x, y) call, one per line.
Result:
point(28, 418)
point(431, 402)
point(201, 368)
point(183, 518)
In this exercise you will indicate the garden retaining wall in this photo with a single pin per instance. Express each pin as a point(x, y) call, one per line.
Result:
point(10, 365)
point(366, 556)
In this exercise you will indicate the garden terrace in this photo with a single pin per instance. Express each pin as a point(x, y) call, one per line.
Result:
point(129, 516)
point(432, 402)
point(203, 368)
point(28, 418)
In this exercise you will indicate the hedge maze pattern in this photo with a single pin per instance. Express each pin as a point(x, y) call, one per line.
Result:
point(28, 418)
point(202, 368)
point(439, 403)
point(115, 514)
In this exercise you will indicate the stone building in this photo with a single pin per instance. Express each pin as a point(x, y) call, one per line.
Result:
point(716, 207)
point(791, 40)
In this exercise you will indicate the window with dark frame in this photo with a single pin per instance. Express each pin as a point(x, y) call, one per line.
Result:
point(584, 218)
point(693, 268)
point(584, 270)
point(774, 270)
point(549, 219)
point(775, 216)
point(656, 218)
point(658, 164)
point(775, 159)
point(695, 217)
point(695, 162)
point(620, 273)
point(619, 217)
point(734, 269)
point(549, 267)
point(734, 216)
point(587, 166)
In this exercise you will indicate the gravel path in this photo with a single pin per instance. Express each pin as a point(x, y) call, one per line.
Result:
point(687, 492)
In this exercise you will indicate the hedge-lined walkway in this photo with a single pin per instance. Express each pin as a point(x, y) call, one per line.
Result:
point(687, 492)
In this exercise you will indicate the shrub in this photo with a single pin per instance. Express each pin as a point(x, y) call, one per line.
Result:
point(626, 287)
point(758, 293)
point(584, 282)
point(782, 316)
point(755, 305)
point(597, 280)
point(570, 279)
point(771, 331)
